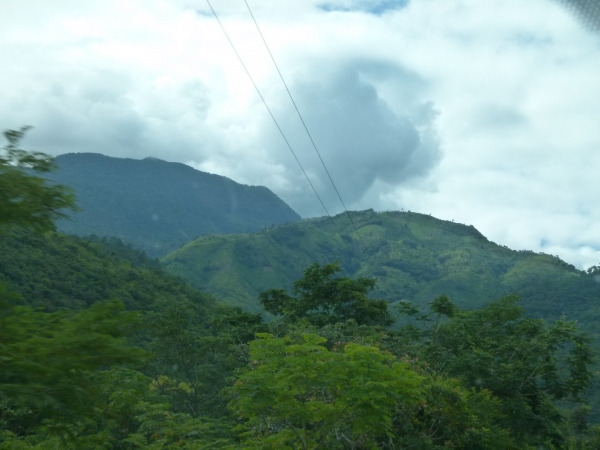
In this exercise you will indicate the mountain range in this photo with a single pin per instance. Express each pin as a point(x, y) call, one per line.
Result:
point(157, 206)
point(234, 241)
point(414, 257)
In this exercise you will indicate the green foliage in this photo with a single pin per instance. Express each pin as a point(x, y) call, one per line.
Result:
point(238, 326)
point(55, 390)
point(191, 364)
point(49, 360)
point(414, 257)
point(523, 362)
point(322, 299)
point(116, 248)
point(158, 206)
point(26, 199)
point(452, 416)
point(443, 306)
point(300, 395)
point(128, 415)
point(194, 362)
point(54, 271)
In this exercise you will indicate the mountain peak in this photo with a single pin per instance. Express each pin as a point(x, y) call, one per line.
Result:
point(158, 205)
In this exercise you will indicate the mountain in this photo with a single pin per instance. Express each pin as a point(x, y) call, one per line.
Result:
point(157, 206)
point(414, 257)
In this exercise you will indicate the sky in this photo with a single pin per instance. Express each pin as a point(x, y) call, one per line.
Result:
point(482, 112)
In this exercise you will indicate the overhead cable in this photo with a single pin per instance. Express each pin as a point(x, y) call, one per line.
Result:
point(272, 116)
point(301, 118)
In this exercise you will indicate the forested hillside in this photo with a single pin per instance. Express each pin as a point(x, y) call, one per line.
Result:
point(56, 271)
point(178, 371)
point(100, 349)
point(157, 205)
point(413, 256)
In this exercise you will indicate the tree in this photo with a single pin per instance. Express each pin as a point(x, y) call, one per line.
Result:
point(194, 359)
point(301, 395)
point(48, 361)
point(452, 416)
point(128, 415)
point(524, 362)
point(190, 365)
point(27, 199)
point(322, 299)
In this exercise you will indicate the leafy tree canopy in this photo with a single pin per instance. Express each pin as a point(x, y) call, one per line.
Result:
point(48, 360)
point(524, 362)
point(27, 199)
point(324, 299)
point(301, 395)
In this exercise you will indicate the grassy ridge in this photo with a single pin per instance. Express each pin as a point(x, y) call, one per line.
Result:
point(414, 257)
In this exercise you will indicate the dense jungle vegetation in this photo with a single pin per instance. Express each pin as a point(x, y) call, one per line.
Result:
point(414, 257)
point(102, 349)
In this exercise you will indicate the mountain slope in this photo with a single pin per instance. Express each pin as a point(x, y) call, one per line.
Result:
point(413, 256)
point(55, 271)
point(157, 205)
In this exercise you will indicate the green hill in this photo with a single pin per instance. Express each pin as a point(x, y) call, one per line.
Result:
point(179, 370)
point(414, 257)
point(55, 271)
point(157, 205)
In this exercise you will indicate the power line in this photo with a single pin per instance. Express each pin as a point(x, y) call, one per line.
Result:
point(301, 118)
point(272, 116)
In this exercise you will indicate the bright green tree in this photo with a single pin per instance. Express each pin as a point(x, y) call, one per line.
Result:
point(27, 199)
point(303, 396)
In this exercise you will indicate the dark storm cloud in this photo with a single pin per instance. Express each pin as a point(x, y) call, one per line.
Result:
point(361, 138)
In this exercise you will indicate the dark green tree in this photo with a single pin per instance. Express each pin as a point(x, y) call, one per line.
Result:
point(321, 298)
point(192, 364)
point(128, 415)
point(524, 362)
point(27, 199)
point(452, 416)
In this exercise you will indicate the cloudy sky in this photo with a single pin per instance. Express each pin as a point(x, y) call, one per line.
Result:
point(482, 112)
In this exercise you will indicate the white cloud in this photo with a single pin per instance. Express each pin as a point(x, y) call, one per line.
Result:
point(513, 150)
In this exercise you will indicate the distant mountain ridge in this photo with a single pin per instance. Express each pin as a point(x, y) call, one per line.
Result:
point(414, 257)
point(158, 206)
